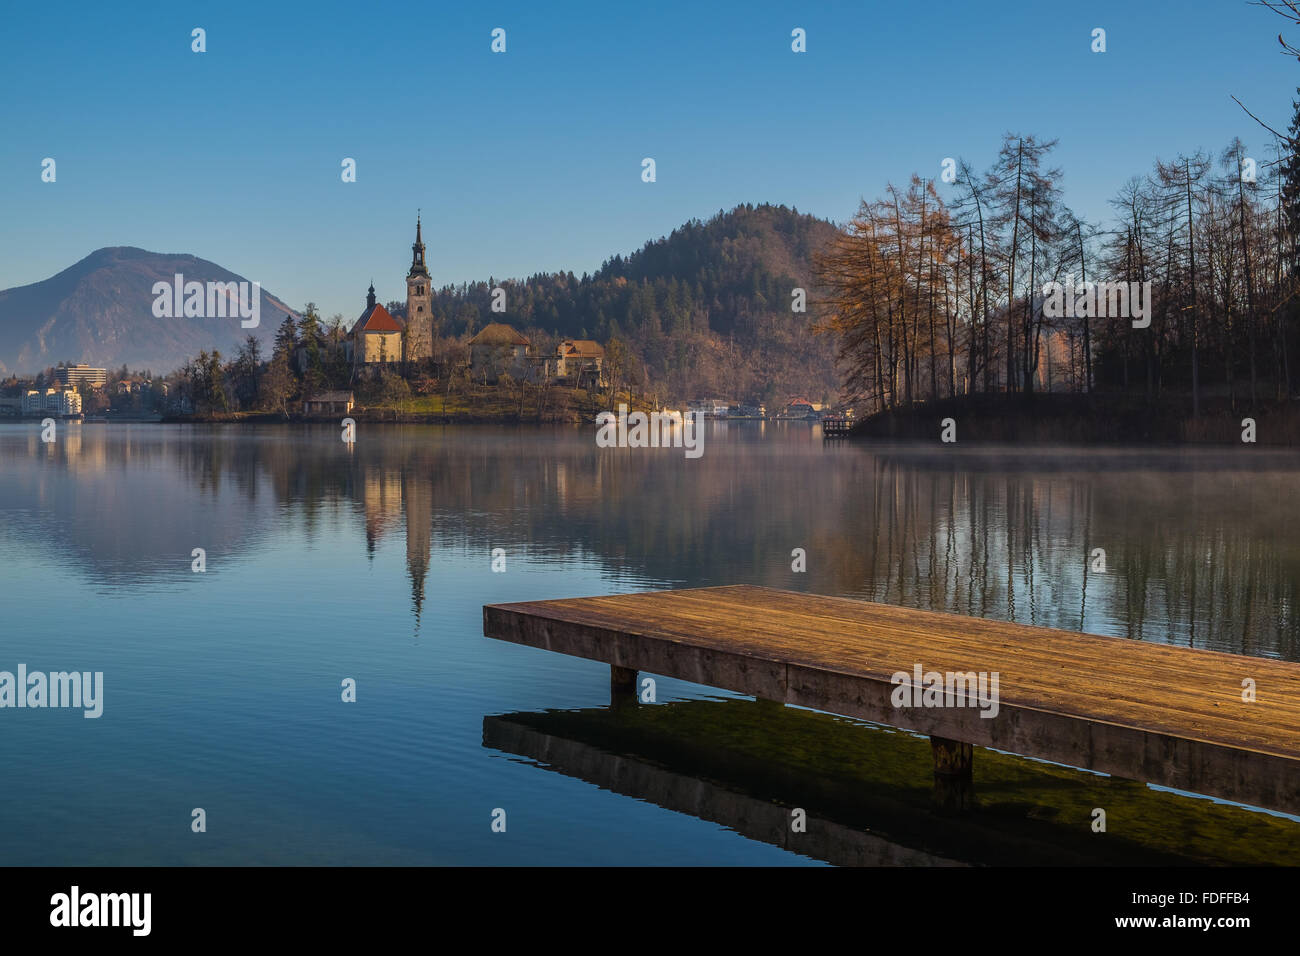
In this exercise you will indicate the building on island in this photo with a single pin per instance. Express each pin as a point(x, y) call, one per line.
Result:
point(419, 304)
point(329, 403)
point(497, 350)
point(378, 337)
point(580, 362)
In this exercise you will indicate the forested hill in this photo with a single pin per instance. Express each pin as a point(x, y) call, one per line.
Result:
point(705, 311)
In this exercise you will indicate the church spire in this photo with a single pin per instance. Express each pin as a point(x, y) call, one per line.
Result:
point(370, 297)
point(418, 268)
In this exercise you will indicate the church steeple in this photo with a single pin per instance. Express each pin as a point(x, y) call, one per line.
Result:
point(417, 343)
point(370, 296)
point(418, 268)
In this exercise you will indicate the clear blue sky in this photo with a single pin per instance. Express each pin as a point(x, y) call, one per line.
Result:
point(531, 160)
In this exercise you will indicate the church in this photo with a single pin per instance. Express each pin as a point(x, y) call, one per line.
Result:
point(378, 337)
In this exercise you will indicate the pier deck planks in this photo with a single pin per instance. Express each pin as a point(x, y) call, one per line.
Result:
point(1172, 716)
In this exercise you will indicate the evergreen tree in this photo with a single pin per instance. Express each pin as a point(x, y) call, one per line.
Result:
point(286, 339)
point(1290, 172)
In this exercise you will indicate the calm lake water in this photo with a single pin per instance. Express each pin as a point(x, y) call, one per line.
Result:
point(372, 562)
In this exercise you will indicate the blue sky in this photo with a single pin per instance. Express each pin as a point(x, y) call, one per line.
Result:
point(530, 160)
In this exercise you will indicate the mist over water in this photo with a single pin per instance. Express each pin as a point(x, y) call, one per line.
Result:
point(372, 561)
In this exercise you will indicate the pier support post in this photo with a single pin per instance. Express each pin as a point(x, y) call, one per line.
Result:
point(954, 783)
point(622, 685)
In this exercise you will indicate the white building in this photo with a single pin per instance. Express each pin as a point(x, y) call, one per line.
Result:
point(710, 407)
point(75, 375)
point(52, 401)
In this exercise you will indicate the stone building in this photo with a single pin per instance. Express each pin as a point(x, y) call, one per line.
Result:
point(419, 304)
point(497, 350)
point(376, 338)
point(580, 362)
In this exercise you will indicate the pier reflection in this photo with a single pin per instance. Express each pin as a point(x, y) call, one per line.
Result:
point(867, 791)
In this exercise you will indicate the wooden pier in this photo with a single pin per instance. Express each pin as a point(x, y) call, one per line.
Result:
point(1171, 716)
point(836, 427)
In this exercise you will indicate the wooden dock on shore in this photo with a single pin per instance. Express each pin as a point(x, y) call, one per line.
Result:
point(836, 427)
point(1172, 716)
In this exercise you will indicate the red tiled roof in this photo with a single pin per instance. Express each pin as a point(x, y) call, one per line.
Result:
point(376, 319)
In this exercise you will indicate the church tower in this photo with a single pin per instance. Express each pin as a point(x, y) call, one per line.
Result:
point(419, 304)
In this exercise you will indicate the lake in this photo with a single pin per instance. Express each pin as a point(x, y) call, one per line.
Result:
point(326, 561)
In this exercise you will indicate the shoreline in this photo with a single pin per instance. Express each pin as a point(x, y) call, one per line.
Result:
point(1086, 421)
point(1012, 423)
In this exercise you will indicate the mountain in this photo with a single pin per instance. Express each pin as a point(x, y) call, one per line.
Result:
point(100, 311)
point(706, 311)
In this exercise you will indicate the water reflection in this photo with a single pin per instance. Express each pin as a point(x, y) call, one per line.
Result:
point(1193, 548)
point(747, 765)
point(1199, 547)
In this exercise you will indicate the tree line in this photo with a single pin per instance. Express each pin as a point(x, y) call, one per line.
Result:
point(703, 311)
point(938, 290)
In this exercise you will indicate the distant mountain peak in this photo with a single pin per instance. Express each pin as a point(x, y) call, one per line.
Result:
point(100, 311)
